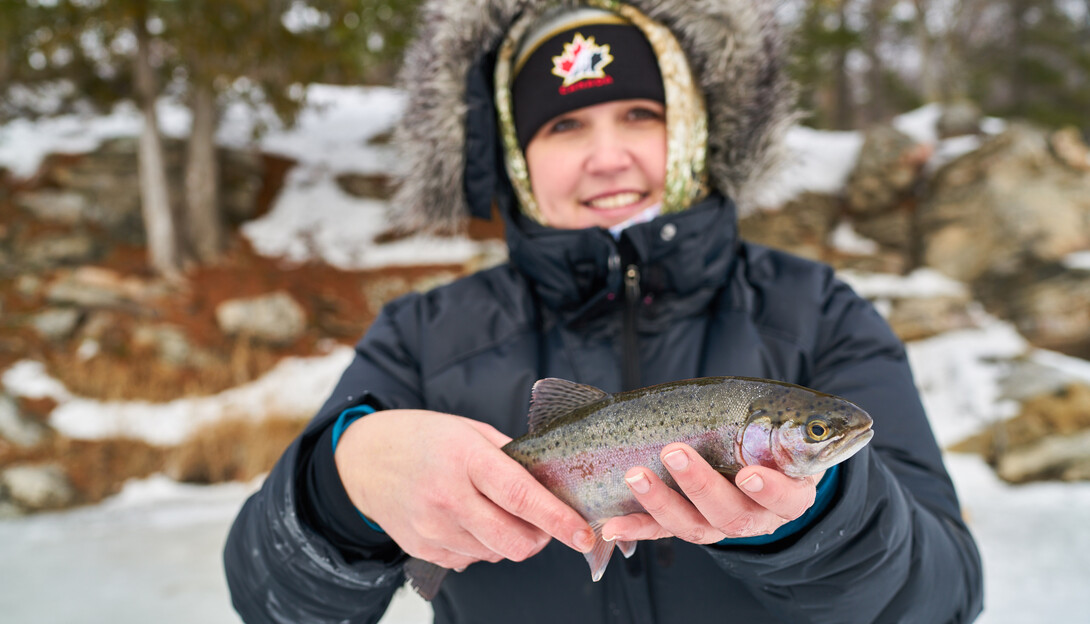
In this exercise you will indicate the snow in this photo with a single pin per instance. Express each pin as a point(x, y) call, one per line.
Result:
point(819, 162)
point(844, 238)
point(920, 283)
point(294, 387)
point(1079, 260)
point(152, 553)
point(312, 219)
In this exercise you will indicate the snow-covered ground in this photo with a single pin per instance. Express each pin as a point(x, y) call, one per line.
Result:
point(152, 553)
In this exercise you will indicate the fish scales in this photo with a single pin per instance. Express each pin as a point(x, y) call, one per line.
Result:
point(583, 456)
point(583, 440)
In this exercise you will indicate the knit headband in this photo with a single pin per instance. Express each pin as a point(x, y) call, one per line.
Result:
point(580, 58)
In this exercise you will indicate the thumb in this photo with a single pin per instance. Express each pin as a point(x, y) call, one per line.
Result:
point(489, 432)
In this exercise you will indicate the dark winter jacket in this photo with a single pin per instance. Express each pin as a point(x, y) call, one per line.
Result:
point(891, 546)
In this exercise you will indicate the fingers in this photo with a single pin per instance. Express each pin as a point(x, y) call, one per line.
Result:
point(670, 509)
point(712, 507)
point(784, 496)
point(506, 483)
point(494, 535)
point(633, 527)
point(505, 536)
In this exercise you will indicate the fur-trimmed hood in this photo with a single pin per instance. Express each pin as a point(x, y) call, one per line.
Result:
point(735, 52)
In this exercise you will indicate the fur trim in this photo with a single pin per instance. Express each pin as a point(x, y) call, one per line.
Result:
point(735, 50)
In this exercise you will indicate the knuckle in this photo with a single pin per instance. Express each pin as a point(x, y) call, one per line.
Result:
point(698, 489)
point(438, 500)
point(478, 464)
point(693, 535)
point(494, 557)
point(795, 504)
point(429, 553)
point(520, 550)
point(656, 506)
point(430, 530)
point(518, 496)
point(740, 526)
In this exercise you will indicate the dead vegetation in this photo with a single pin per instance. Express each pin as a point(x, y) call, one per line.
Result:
point(233, 450)
point(339, 306)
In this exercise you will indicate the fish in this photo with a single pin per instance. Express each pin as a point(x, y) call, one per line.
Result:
point(582, 440)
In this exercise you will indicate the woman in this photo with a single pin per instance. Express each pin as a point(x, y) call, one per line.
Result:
point(626, 138)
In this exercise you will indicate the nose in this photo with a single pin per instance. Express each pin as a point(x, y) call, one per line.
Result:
point(609, 152)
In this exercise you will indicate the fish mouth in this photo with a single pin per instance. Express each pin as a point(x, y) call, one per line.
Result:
point(848, 445)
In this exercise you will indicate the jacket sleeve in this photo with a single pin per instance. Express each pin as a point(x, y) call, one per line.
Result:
point(892, 547)
point(279, 566)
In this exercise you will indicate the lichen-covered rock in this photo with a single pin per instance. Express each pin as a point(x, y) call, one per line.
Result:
point(889, 165)
point(56, 324)
point(275, 318)
point(15, 427)
point(1003, 207)
point(37, 487)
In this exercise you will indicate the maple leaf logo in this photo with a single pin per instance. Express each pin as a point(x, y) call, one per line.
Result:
point(582, 59)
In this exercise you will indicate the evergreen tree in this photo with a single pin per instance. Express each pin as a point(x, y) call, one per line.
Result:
point(211, 54)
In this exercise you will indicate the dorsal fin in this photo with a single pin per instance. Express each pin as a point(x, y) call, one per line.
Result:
point(552, 398)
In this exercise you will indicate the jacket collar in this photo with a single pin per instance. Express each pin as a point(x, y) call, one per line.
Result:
point(683, 258)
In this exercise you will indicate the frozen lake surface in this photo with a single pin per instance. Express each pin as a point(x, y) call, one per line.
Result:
point(152, 554)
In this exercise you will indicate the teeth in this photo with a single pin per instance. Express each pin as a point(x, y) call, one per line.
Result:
point(615, 201)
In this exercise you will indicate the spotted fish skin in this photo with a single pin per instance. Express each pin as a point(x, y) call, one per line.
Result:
point(583, 440)
point(582, 455)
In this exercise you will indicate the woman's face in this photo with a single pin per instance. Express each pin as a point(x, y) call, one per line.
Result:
point(599, 165)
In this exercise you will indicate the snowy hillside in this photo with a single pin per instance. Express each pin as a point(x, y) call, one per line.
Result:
point(152, 552)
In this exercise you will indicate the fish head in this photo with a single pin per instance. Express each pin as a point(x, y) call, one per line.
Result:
point(801, 432)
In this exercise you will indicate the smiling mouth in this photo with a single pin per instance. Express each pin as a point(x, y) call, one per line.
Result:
point(617, 200)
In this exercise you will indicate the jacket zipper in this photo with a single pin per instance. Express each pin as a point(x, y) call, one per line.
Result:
point(630, 348)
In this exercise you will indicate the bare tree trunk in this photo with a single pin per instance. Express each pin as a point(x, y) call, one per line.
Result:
point(1018, 78)
point(843, 116)
point(162, 240)
point(877, 106)
point(204, 226)
point(930, 78)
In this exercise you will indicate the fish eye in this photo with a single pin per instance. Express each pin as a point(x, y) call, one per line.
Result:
point(817, 429)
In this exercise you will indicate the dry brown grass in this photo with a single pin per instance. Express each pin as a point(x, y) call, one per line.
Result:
point(234, 450)
point(117, 374)
point(231, 450)
point(338, 303)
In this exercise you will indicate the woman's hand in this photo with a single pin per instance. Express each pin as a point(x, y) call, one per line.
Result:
point(762, 501)
point(440, 487)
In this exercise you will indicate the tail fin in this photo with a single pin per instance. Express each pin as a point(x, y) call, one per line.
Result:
point(425, 577)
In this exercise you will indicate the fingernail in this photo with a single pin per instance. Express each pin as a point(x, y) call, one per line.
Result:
point(609, 538)
point(639, 483)
point(676, 460)
point(753, 483)
point(584, 540)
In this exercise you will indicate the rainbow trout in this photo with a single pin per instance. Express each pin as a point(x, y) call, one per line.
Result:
point(583, 440)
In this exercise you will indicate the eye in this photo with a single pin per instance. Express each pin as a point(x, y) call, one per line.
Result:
point(817, 429)
point(563, 125)
point(642, 113)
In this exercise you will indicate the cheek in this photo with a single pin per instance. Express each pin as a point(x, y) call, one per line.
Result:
point(793, 453)
point(755, 449)
point(552, 180)
point(653, 159)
